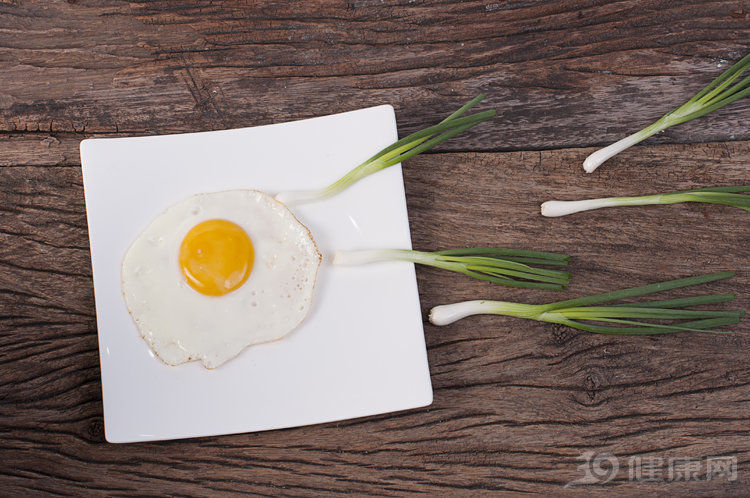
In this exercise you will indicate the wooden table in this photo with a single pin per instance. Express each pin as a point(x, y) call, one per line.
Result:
point(516, 403)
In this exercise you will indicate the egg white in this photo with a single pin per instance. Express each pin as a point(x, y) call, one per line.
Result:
point(181, 324)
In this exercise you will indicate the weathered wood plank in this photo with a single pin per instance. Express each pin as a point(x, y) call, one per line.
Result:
point(560, 74)
point(40, 149)
point(515, 402)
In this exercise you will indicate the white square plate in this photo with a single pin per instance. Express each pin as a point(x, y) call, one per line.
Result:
point(360, 352)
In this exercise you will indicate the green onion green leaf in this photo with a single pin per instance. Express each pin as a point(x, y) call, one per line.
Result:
point(720, 92)
point(626, 318)
point(509, 267)
point(397, 152)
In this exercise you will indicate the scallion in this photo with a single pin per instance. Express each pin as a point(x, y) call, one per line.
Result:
point(398, 152)
point(717, 94)
point(509, 267)
point(627, 318)
point(729, 196)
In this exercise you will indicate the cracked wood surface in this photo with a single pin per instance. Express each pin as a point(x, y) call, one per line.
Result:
point(560, 74)
point(516, 402)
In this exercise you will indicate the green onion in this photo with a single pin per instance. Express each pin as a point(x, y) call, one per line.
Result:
point(717, 94)
point(627, 318)
point(729, 196)
point(501, 266)
point(397, 152)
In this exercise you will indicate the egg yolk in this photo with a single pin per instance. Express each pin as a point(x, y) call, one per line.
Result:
point(216, 257)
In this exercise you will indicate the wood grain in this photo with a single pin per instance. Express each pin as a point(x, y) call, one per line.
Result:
point(516, 402)
point(561, 74)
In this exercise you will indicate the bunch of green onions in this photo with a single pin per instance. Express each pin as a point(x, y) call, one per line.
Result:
point(501, 266)
point(399, 151)
point(729, 196)
point(585, 314)
point(717, 94)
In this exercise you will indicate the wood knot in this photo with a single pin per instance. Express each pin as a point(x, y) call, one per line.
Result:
point(591, 385)
point(96, 430)
point(593, 382)
point(561, 334)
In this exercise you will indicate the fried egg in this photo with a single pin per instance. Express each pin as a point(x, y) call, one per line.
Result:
point(218, 272)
